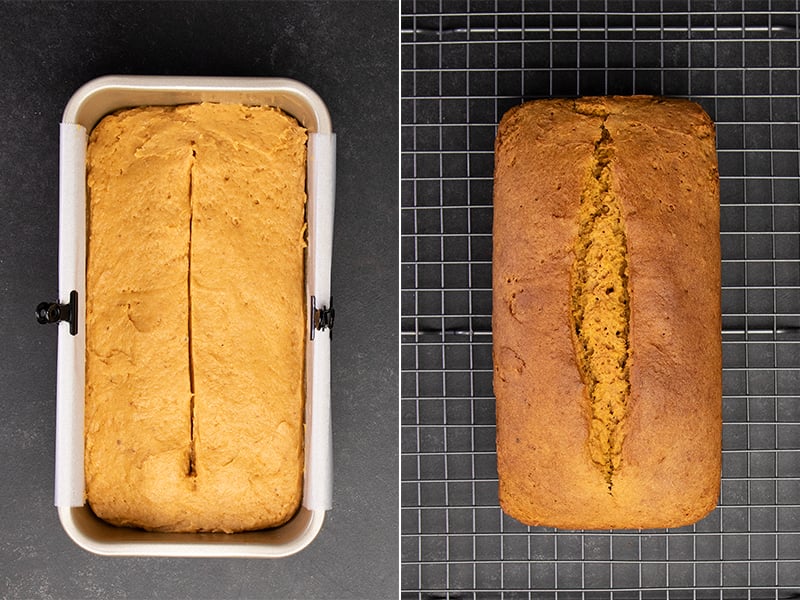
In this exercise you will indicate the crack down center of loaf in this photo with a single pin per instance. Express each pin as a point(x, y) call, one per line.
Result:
point(600, 310)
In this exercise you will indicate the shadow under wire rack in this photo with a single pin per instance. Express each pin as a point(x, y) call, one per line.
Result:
point(463, 64)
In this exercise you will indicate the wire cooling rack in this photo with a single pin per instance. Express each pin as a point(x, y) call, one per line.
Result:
point(463, 65)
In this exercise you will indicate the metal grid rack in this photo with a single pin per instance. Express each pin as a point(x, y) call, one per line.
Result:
point(464, 63)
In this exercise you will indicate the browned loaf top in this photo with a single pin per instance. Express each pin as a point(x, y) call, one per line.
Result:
point(195, 320)
point(606, 313)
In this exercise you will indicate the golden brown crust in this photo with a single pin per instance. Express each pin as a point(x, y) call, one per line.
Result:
point(195, 318)
point(663, 173)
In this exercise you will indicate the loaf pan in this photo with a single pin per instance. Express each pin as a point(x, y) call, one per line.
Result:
point(86, 107)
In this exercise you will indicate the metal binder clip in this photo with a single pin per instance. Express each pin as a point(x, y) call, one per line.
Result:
point(55, 312)
point(321, 318)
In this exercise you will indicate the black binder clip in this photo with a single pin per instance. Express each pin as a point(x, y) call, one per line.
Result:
point(55, 312)
point(321, 318)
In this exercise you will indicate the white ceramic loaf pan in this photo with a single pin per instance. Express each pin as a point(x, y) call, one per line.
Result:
point(86, 107)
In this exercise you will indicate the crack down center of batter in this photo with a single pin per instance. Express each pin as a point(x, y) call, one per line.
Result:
point(192, 466)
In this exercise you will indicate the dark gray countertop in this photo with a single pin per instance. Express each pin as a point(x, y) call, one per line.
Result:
point(347, 52)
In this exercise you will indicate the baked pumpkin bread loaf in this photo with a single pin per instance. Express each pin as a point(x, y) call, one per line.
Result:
point(606, 313)
point(195, 319)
